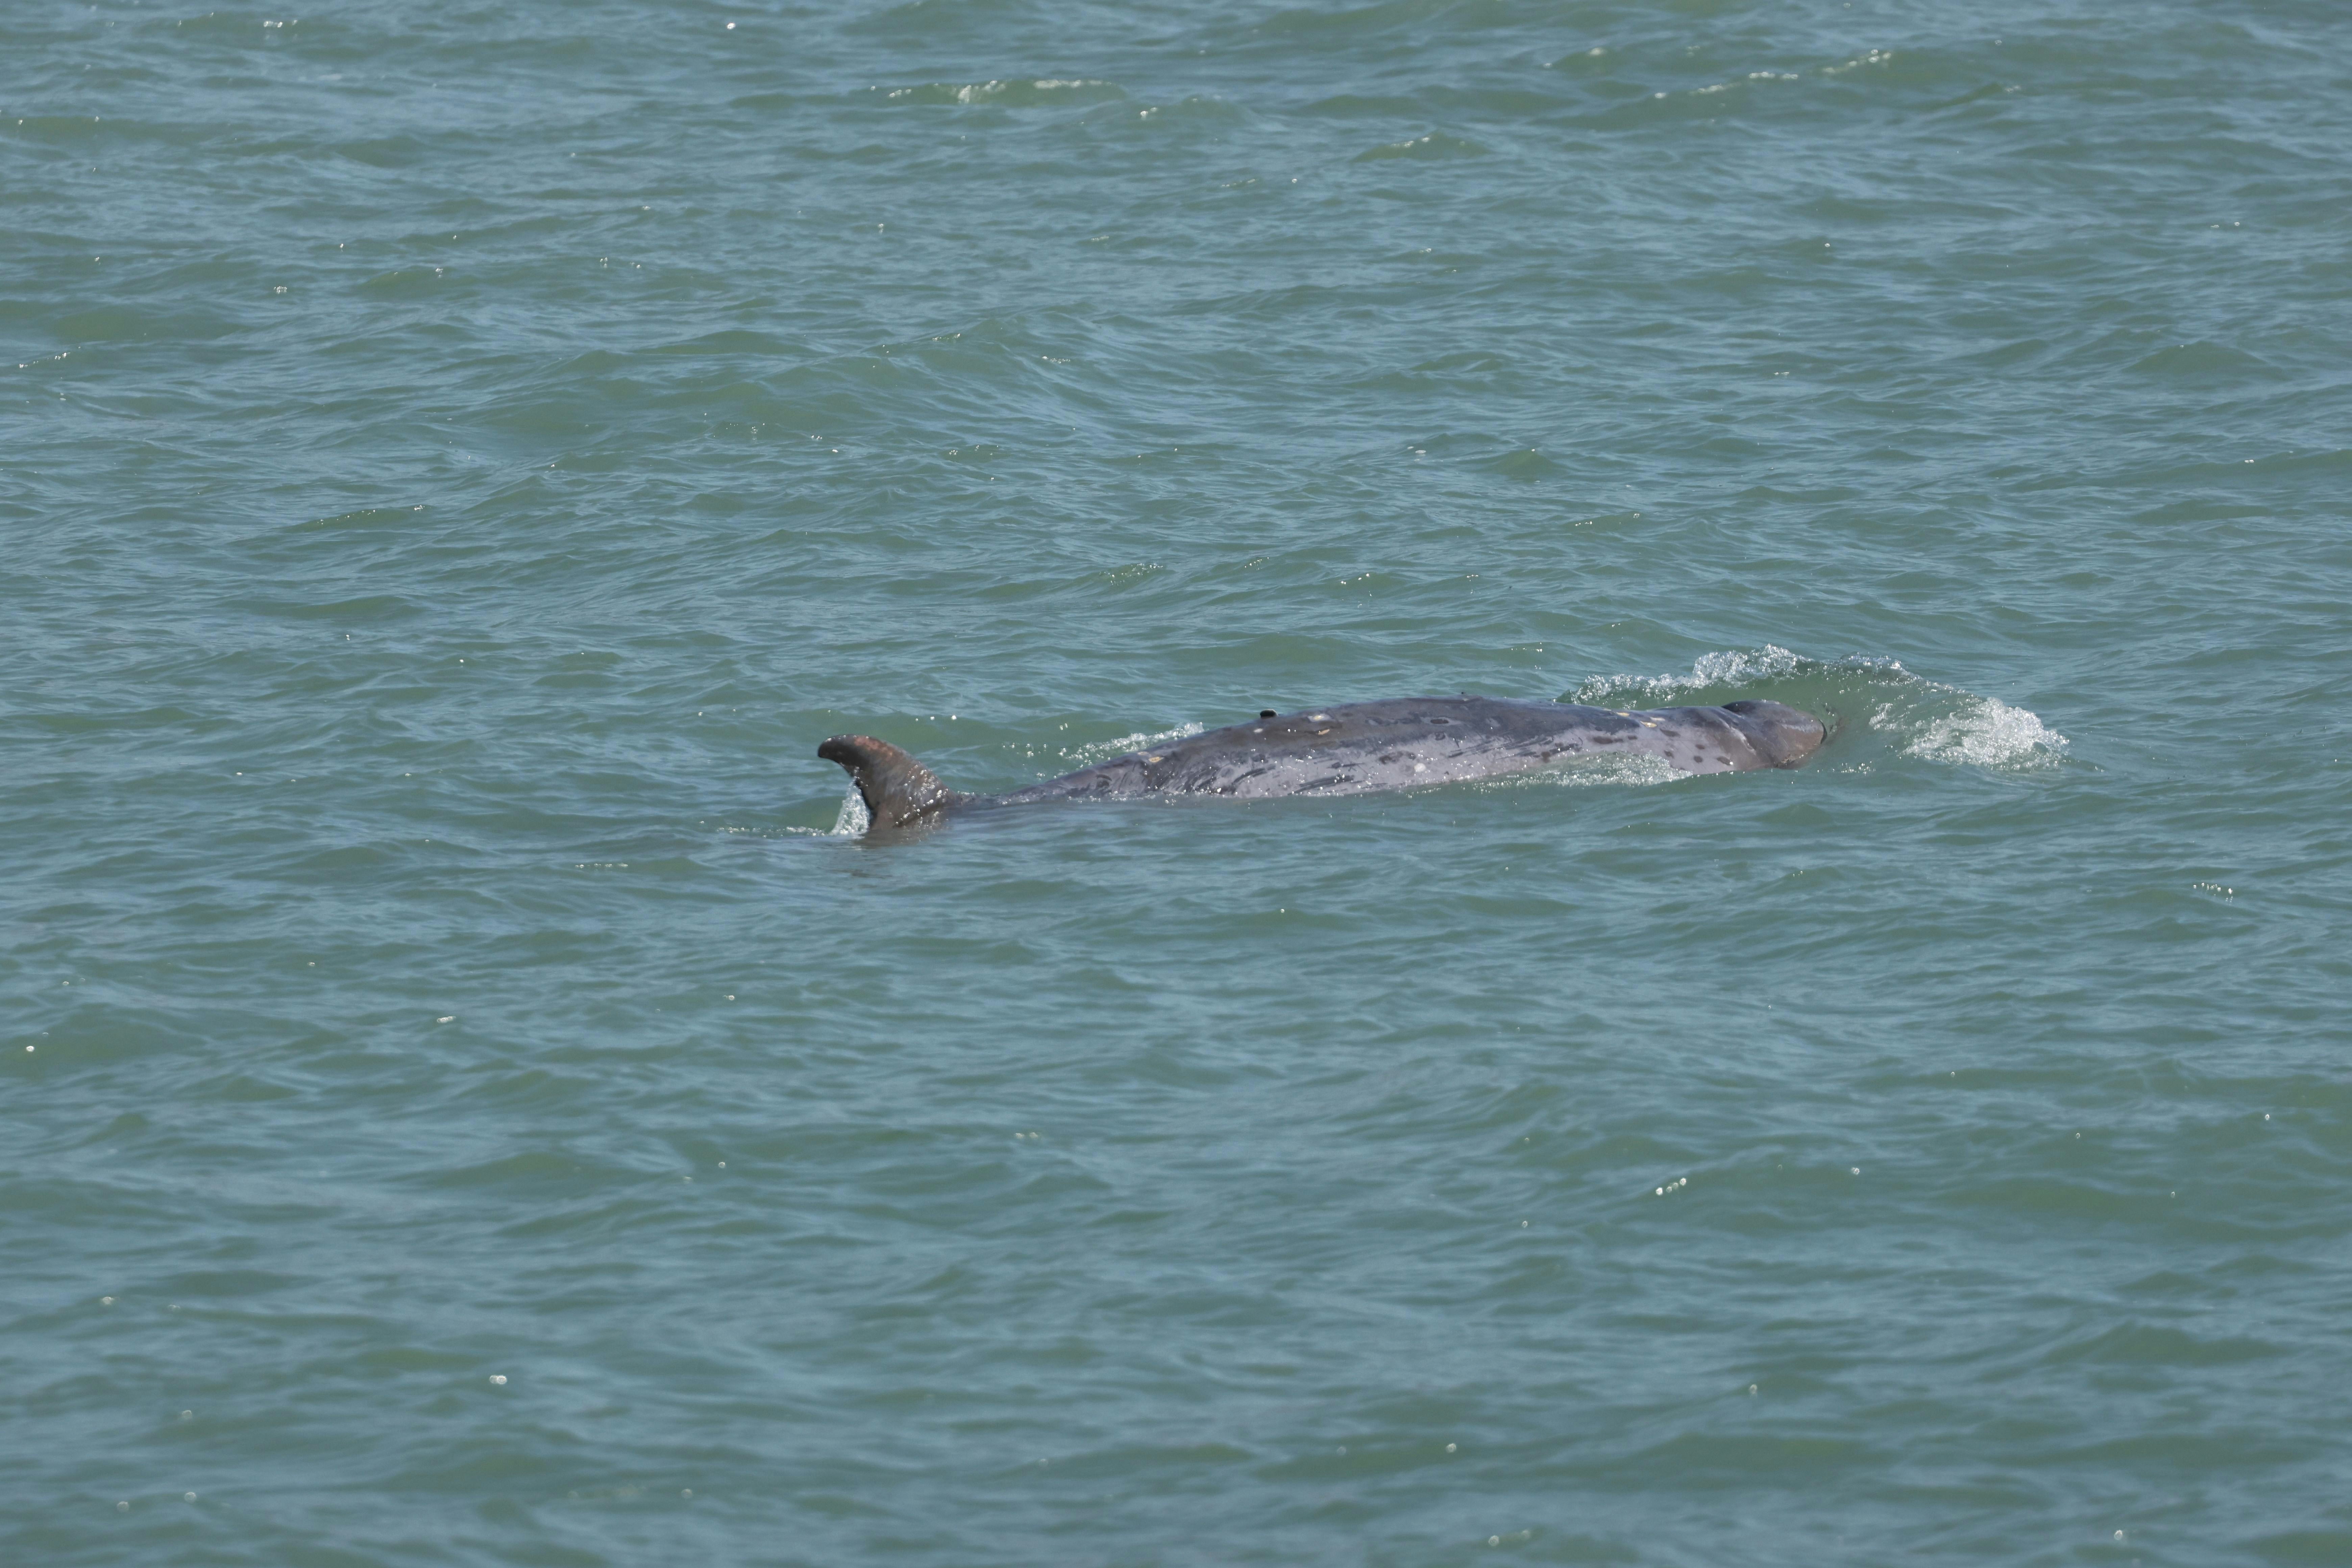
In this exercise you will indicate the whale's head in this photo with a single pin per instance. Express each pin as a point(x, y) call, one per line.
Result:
point(1786, 735)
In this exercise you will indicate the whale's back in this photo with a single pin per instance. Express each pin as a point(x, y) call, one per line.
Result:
point(1357, 748)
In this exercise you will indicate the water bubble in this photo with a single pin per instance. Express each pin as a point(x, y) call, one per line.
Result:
point(1449, 1448)
point(498, 1380)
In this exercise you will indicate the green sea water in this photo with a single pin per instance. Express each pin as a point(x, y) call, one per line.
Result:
point(469, 1096)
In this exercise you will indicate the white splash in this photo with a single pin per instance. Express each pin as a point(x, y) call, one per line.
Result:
point(1586, 773)
point(1709, 669)
point(1912, 717)
point(854, 818)
point(1104, 751)
point(1989, 733)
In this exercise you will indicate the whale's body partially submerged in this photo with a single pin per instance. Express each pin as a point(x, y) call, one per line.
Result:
point(1358, 747)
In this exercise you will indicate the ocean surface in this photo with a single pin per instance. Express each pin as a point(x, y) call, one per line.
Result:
point(469, 1095)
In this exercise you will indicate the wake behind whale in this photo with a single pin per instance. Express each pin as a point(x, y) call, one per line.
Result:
point(1359, 747)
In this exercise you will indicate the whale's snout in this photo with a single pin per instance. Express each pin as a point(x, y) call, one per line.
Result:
point(1786, 735)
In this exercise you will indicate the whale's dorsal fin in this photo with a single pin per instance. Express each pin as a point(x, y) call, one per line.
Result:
point(897, 789)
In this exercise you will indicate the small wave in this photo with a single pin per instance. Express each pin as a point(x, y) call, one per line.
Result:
point(1867, 58)
point(1016, 94)
point(1436, 144)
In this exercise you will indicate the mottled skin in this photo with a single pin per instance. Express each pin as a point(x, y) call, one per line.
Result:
point(1356, 747)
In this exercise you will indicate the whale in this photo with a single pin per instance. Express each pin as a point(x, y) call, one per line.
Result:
point(1356, 748)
